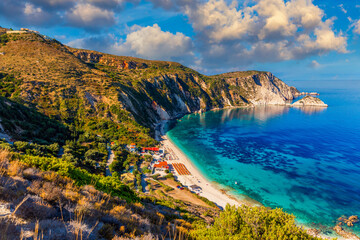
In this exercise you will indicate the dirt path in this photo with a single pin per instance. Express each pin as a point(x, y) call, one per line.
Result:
point(110, 159)
point(182, 195)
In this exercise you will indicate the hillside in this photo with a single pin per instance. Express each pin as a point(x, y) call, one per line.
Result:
point(68, 110)
point(62, 80)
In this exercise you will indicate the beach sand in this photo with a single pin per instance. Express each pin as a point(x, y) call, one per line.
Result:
point(209, 189)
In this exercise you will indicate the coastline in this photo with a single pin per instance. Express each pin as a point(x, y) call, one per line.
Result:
point(209, 189)
point(212, 190)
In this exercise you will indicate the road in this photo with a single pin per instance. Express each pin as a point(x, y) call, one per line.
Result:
point(110, 159)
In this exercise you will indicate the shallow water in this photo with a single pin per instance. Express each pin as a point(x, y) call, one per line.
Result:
point(306, 161)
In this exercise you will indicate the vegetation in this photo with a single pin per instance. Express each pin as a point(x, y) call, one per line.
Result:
point(52, 206)
point(251, 223)
point(65, 109)
point(4, 38)
point(81, 177)
point(9, 85)
point(27, 124)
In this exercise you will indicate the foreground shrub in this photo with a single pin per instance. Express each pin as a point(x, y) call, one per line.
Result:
point(251, 223)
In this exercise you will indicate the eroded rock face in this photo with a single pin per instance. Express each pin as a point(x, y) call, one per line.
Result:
point(171, 95)
point(309, 101)
point(120, 64)
point(263, 88)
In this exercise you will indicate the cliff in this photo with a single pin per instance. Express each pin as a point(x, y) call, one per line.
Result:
point(60, 80)
point(165, 90)
point(309, 101)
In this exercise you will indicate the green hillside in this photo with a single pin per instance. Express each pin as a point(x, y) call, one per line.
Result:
point(65, 107)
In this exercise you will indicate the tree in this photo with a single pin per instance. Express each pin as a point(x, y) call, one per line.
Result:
point(94, 155)
point(21, 146)
point(54, 148)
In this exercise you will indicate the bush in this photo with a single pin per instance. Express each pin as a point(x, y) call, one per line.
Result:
point(156, 176)
point(251, 223)
point(111, 185)
point(170, 175)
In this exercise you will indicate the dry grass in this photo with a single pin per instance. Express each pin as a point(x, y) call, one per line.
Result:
point(49, 206)
point(5, 155)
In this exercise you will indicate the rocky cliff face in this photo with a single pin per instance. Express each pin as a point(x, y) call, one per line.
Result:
point(106, 59)
point(261, 88)
point(170, 96)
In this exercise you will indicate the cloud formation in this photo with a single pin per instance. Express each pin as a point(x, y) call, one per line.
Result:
point(357, 27)
point(269, 30)
point(146, 42)
point(151, 42)
point(314, 64)
point(88, 16)
point(225, 33)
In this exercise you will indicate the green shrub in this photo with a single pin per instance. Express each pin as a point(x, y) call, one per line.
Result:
point(156, 176)
point(251, 223)
point(111, 185)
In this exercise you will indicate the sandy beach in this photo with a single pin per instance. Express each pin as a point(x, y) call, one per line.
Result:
point(209, 189)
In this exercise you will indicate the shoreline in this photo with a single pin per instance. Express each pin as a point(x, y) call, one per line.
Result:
point(211, 190)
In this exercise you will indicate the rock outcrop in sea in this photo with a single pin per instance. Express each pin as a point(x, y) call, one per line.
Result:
point(309, 101)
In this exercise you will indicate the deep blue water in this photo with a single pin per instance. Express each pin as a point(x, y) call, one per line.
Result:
point(306, 161)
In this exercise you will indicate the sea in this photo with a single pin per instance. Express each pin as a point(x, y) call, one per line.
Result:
point(303, 160)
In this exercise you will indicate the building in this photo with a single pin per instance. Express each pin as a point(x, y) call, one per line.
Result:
point(153, 149)
point(162, 166)
point(195, 188)
point(16, 31)
point(132, 147)
point(22, 30)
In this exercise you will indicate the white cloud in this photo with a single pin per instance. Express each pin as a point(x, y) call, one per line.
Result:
point(314, 64)
point(90, 16)
point(266, 31)
point(357, 27)
point(341, 6)
point(151, 42)
point(145, 42)
point(305, 13)
point(219, 21)
point(30, 9)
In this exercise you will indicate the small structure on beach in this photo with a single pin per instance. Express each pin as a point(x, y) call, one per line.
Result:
point(195, 188)
point(181, 169)
point(162, 166)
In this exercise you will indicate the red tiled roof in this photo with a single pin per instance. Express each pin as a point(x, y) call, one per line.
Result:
point(155, 149)
point(161, 165)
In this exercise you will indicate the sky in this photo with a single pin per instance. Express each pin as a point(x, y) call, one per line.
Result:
point(294, 39)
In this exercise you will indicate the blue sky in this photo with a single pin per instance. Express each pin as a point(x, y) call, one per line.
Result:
point(294, 39)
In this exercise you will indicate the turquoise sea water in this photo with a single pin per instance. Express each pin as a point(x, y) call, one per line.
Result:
point(306, 161)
